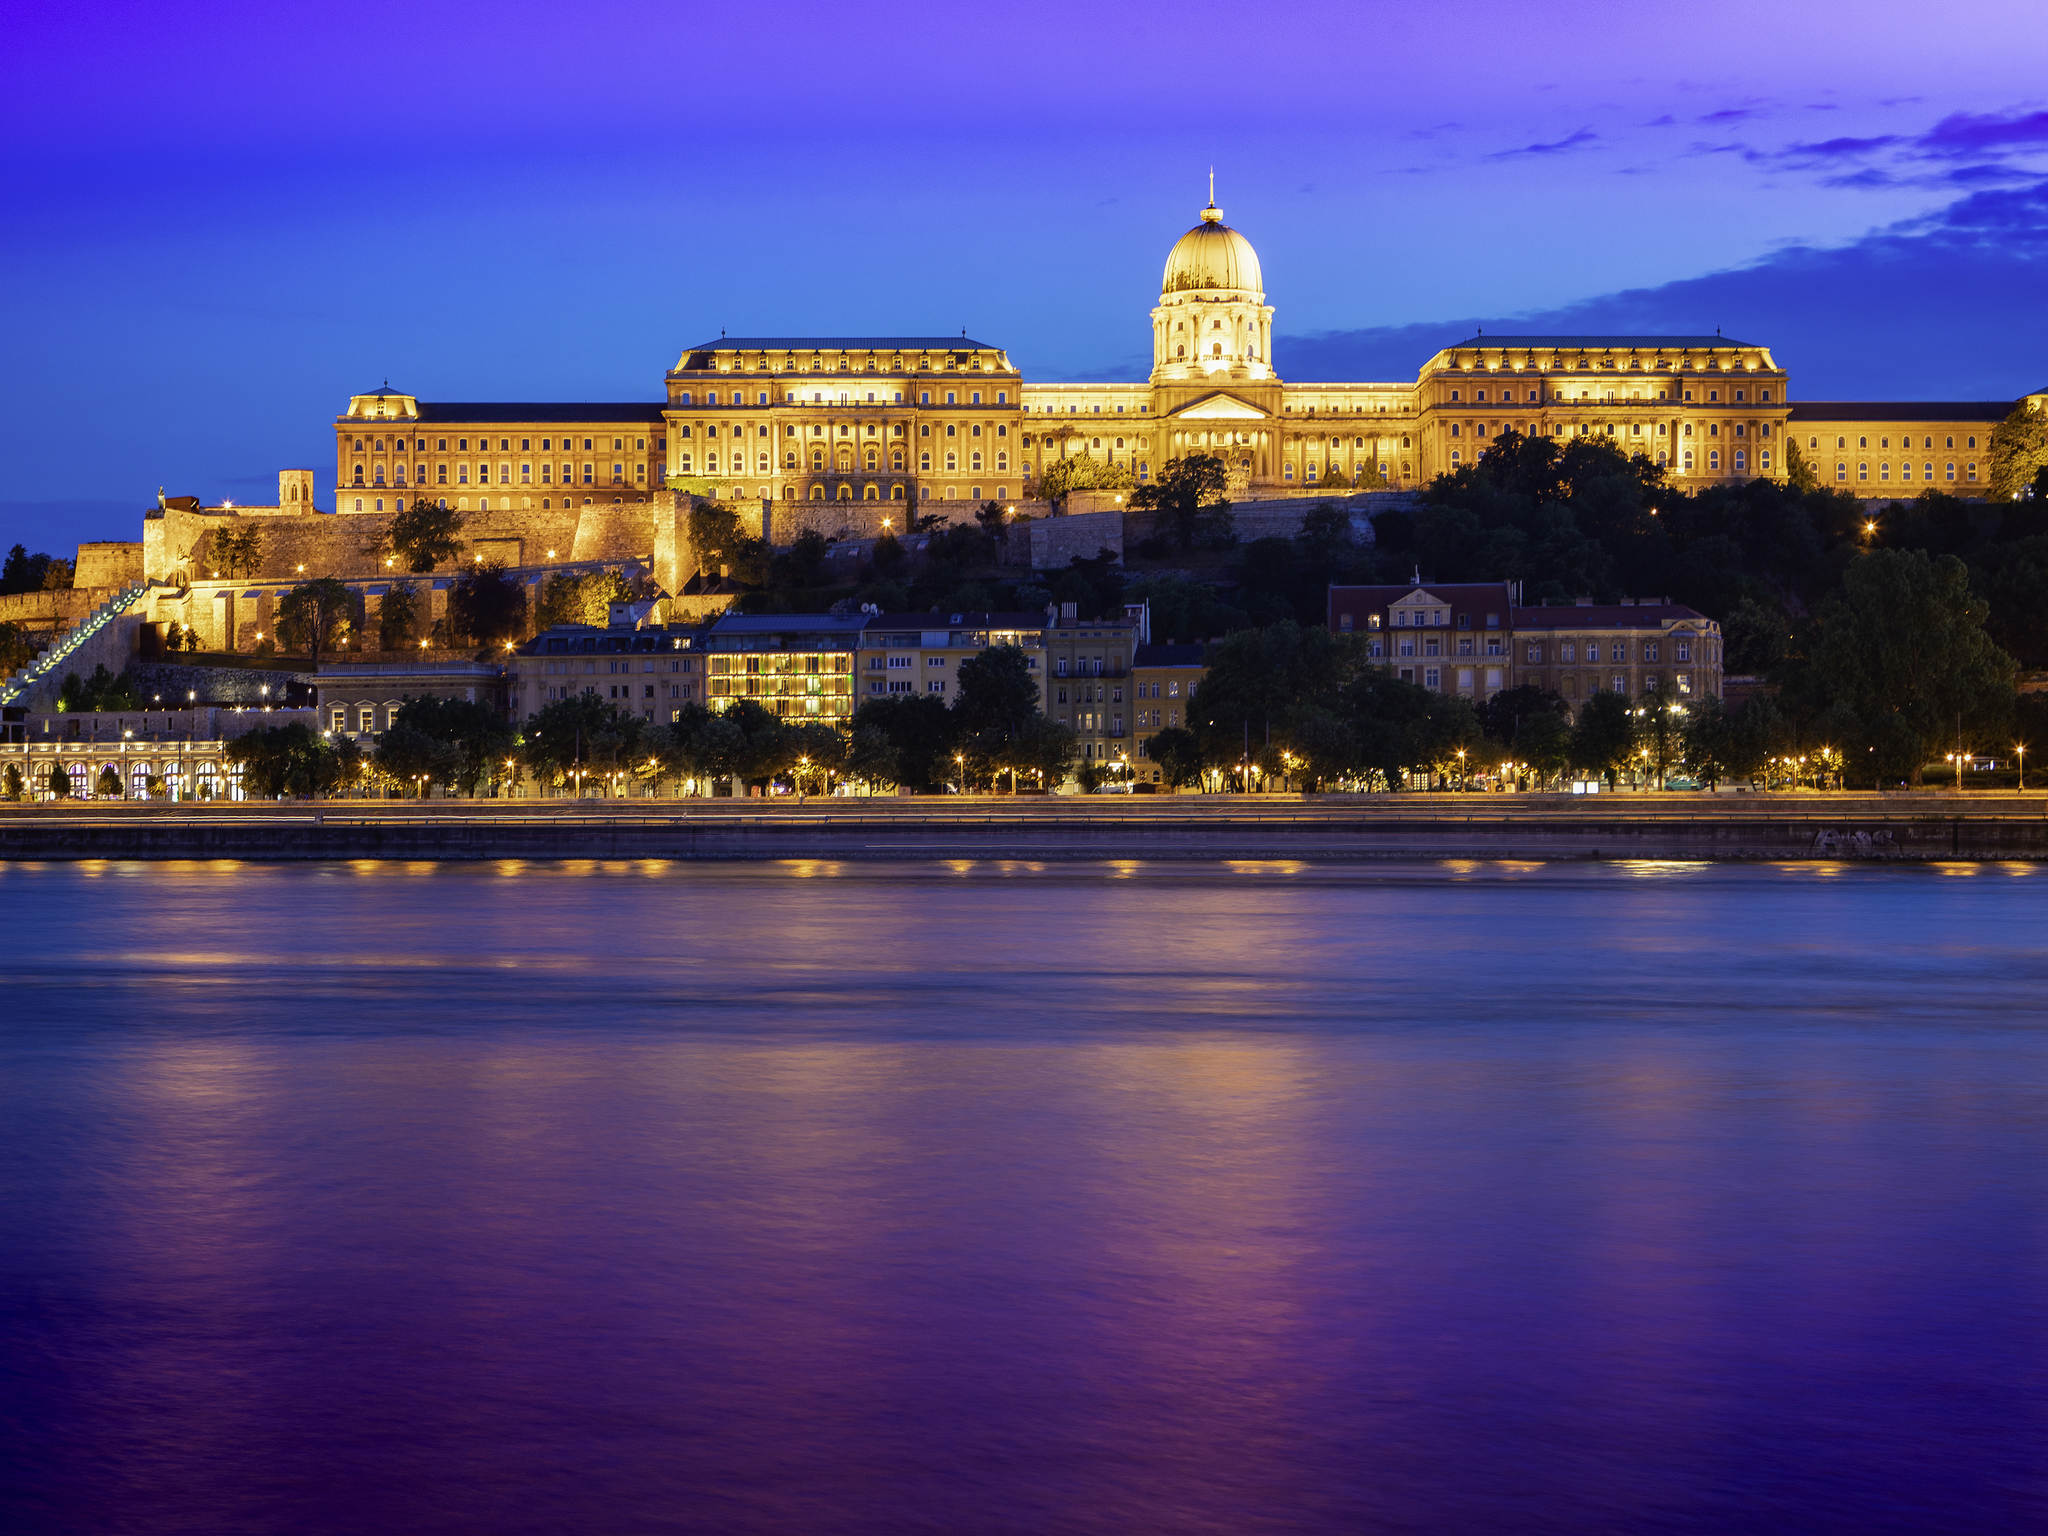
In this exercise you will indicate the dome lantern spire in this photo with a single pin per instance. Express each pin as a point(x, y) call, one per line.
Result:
point(1212, 214)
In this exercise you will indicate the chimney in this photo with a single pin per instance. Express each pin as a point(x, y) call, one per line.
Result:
point(1070, 613)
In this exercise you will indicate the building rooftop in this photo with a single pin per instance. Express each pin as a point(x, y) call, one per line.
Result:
point(1393, 592)
point(1605, 615)
point(1030, 618)
point(1167, 656)
point(792, 623)
point(1900, 410)
point(1600, 343)
point(843, 344)
point(539, 410)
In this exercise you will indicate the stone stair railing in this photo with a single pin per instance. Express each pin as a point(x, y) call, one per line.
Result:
point(18, 687)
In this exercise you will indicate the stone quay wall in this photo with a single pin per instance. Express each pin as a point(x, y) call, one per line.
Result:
point(1058, 830)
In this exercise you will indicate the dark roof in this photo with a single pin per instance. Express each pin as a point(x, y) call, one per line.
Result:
point(1380, 596)
point(1603, 615)
point(842, 344)
point(1167, 656)
point(540, 410)
point(1030, 618)
point(729, 623)
point(1601, 343)
point(1900, 410)
point(579, 639)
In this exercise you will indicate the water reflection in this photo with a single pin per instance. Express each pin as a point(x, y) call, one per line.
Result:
point(629, 1195)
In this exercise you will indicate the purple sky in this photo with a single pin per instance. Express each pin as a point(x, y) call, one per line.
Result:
point(224, 218)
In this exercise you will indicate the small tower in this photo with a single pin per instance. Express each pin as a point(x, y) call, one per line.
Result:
point(295, 490)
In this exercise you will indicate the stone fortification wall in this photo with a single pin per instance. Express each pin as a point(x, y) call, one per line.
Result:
point(1280, 517)
point(179, 543)
point(52, 611)
point(107, 565)
point(1056, 541)
point(172, 681)
point(789, 521)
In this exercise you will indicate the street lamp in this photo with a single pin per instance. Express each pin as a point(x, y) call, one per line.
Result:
point(2019, 750)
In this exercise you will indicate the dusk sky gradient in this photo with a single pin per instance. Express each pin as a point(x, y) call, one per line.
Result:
point(225, 218)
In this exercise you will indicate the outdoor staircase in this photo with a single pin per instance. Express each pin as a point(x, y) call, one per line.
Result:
point(19, 686)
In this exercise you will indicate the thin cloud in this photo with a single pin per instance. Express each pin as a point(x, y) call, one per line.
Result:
point(1839, 149)
point(1731, 115)
point(1962, 133)
point(1563, 146)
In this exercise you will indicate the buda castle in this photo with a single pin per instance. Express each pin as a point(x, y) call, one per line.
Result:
point(950, 419)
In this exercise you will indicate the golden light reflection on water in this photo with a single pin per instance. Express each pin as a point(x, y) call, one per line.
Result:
point(1265, 866)
point(1957, 871)
point(1659, 869)
point(813, 869)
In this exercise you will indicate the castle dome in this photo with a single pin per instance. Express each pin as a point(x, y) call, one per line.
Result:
point(1212, 255)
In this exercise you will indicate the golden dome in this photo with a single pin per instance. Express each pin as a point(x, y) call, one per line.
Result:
point(1212, 255)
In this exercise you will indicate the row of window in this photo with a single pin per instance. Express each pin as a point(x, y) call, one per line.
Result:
point(1884, 471)
point(1610, 365)
point(1905, 442)
point(870, 462)
point(1467, 681)
point(483, 503)
point(1590, 429)
point(794, 397)
point(483, 474)
point(1741, 396)
point(179, 780)
point(1739, 466)
point(483, 445)
point(959, 362)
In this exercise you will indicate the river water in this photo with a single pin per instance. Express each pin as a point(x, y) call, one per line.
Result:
point(986, 1198)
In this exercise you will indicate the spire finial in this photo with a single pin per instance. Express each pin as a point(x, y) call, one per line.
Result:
point(1212, 186)
point(1212, 214)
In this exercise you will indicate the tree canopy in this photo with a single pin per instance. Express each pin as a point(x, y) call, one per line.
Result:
point(424, 535)
point(316, 616)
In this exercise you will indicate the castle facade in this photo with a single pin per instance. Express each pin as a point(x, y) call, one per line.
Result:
point(923, 419)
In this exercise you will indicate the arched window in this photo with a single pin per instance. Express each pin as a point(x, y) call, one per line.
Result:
point(868, 493)
point(895, 493)
point(359, 474)
point(817, 493)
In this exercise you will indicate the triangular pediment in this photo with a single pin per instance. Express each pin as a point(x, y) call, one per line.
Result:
point(1218, 407)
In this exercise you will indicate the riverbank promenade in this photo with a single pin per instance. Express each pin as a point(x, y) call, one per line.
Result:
point(1921, 826)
